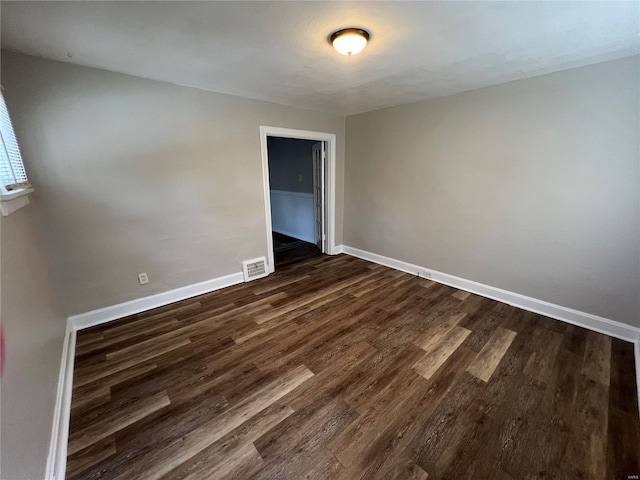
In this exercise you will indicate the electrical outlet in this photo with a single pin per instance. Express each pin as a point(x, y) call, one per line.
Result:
point(424, 274)
point(299, 178)
point(143, 279)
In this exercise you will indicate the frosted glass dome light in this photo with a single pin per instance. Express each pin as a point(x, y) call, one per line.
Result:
point(350, 40)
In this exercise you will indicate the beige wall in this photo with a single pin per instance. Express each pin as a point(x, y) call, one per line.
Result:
point(530, 186)
point(137, 176)
point(34, 328)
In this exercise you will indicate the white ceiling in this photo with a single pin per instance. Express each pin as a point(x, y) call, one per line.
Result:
point(278, 51)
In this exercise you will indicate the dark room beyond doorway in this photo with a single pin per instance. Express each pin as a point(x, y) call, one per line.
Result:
point(293, 205)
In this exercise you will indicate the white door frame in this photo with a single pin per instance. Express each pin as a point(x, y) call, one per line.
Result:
point(319, 174)
point(330, 193)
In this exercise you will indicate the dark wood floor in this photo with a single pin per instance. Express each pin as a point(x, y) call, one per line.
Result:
point(336, 368)
point(288, 250)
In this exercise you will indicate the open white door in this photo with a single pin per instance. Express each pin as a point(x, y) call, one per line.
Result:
point(318, 195)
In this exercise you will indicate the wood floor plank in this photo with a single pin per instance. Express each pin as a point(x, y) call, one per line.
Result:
point(482, 324)
point(354, 443)
point(156, 431)
point(269, 287)
point(511, 317)
point(309, 338)
point(575, 340)
point(489, 357)
point(542, 360)
point(104, 427)
point(623, 445)
point(399, 467)
point(173, 369)
point(587, 446)
point(597, 365)
point(160, 462)
point(400, 429)
point(514, 420)
point(435, 335)
point(96, 453)
point(472, 437)
point(310, 429)
point(309, 298)
point(328, 469)
point(439, 353)
point(146, 321)
point(86, 397)
point(623, 377)
point(549, 431)
point(94, 373)
point(392, 439)
point(126, 337)
point(204, 464)
point(334, 368)
point(442, 434)
point(243, 462)
point(389, 366)
point(366, 286)
point(461, 295)
point(333, 380)
point(89, 337)
point(306, 310)
point(93, 393)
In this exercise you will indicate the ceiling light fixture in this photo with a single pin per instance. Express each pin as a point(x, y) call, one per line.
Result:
point(349, 41)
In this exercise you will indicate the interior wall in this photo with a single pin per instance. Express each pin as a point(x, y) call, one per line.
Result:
point(34, 326)
point(290, 159)
point(142, 176)
point(530, 186)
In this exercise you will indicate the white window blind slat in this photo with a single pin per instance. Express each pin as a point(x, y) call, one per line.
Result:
point(12, 173)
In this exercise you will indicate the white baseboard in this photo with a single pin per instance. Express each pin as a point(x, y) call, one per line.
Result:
point(57, 459)
point(107, 314)
point(569, 315)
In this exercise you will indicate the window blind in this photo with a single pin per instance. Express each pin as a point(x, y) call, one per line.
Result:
point(12, 173)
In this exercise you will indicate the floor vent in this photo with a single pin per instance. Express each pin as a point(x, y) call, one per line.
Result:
point(254, 269)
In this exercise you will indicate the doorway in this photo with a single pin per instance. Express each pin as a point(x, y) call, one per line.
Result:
point(298, 175)
point(297, 198)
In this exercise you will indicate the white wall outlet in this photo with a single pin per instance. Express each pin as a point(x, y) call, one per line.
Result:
point(299, 178)
point(143, 279)
point(424, 274)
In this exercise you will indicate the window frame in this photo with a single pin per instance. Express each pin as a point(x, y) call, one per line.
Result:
point(12, 200)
